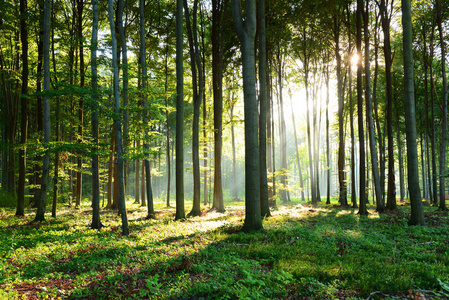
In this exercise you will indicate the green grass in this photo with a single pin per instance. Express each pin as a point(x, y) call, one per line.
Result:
point(323, 252)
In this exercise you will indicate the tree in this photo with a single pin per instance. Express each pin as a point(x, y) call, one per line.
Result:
point(40, 213)
point(246, 31)
point(218, 18)
point(264, 207)
point(442, 205)
point(117, 122)
point(180, 211)
point(96, 223)
point(24, 110)
point(362, 187)
point(369, 116)
point(197, 85)
point(417, 213)
point(385, 18)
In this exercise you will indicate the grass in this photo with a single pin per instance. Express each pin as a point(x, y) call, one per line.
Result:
point(322, 252)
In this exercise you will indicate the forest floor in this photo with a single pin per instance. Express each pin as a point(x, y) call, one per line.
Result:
point(304, 252)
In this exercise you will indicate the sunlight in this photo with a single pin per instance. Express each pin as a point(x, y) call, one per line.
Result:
point(354, 60)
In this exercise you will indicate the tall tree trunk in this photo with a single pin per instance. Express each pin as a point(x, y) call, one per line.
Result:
point(391, 196)
point(417, 213)
point(442, 205)
point(79, 173)
point(369, 116)
point(351, 126)
point(180, 210)
point(341, 138)
point(246, 31)
point(125, 93)
point(117, 122)
point(218, 21)
point(146, 145)
point(264, 206)
point(362, 174)
point(328, 155)
point(432, 129)
point(197, 86)
point(40, 213)
point(269, 140)
point(96, 223)
point(24, 110)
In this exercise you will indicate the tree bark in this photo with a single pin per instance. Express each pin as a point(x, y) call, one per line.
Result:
point(264, 206)
point(20, 211)
point(417, 213)
point(117, 122)
point(391, 195)
point(442, 204)
point(96, 223)
point(40, 213)
point(180, 210)
point(362, 174)
point(246, 31)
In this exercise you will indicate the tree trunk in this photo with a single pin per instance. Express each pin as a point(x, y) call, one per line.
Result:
point(369, 116)
point(123, 38)
point(180, 211)
point(117, 122)
point(298, 162)
point(264, 206)
point(218, 20)
point(417, 213)
point(442, 205)
point(197, 84)
point(24, 111)
point(391, 196)
point(341, 138)
point(246, 31)
point(40, 213)
point(362, 174)
point(96, 223)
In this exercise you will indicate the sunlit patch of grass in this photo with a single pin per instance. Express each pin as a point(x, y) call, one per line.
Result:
point(304, 251)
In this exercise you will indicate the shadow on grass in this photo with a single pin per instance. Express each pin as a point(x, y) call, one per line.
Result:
point(302, 252)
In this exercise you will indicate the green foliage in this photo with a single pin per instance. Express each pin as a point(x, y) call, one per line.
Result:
point(321, 253)
point(7, 199)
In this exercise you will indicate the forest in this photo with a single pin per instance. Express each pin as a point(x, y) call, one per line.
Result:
point(224, 149)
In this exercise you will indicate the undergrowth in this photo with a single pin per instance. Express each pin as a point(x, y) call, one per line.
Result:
point(303, 252)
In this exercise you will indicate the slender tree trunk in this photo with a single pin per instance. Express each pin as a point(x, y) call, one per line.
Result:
point(96, 223)
point(391, 196)
point(24, 110)
point(417, 213)
point(180, 210)
point(246, 31)
point(328, 155)
point(362, 174)
point(125, 93)
point(40, 214)
point(341, 138)
point(117, 122)
point(264, 206)
point(369, 116)
point(351, 126)
point(197, 95)
point(218, 18)
point(442, 205)
point(79, 173)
